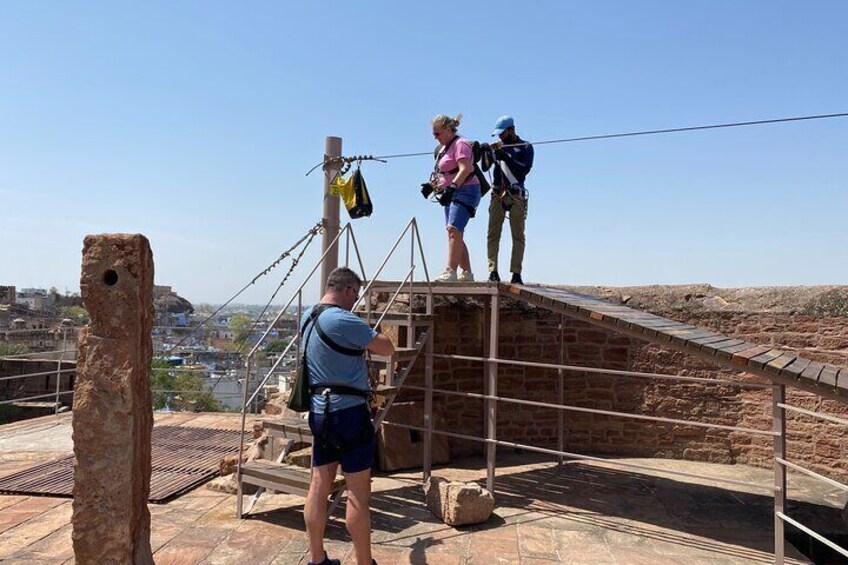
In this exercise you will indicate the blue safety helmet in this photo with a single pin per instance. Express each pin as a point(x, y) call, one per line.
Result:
point(503, 123)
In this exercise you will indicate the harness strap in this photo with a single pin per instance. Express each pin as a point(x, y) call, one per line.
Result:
point(339, 389)
point(328, 341)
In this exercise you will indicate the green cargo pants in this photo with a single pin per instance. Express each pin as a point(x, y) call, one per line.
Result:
point(517, 219)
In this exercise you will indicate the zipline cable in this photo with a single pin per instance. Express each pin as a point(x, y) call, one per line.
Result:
point(626, 134)
point(309, 235)
point(293, 266)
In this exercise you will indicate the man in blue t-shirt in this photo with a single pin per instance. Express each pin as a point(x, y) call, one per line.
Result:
point(335, 341)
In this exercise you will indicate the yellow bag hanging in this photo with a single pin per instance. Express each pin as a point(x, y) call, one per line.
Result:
point(343, 187)
point(354, 193)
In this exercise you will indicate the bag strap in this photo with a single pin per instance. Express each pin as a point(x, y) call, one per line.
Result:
point(328, 341)
point(507, 173)
point(442, 153)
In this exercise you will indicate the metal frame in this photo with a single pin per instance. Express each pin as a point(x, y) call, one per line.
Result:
point(490, 361)
point(330, 248)
point(58, 372)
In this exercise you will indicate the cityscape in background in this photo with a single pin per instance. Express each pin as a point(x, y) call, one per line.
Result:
point(199, 351)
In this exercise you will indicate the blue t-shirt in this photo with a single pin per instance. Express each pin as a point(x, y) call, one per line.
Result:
point(328, 367)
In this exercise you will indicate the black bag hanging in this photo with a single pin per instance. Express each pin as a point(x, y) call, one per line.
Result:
point(300, 399)
point(362, 206)
point(354, 193)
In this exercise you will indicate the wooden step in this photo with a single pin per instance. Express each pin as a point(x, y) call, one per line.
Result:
point(383, 394)
point(398, 318)
point(282, 477)
point(401, 354)
point(296, 429)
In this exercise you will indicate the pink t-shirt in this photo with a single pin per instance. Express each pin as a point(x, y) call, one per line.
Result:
point(459, 149)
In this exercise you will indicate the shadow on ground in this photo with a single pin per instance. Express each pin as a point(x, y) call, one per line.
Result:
point(734, 524)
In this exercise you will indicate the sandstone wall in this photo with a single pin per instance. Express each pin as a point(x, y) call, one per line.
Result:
point(533, 334)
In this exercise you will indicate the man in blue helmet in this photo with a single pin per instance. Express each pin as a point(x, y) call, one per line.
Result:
point(513, 160)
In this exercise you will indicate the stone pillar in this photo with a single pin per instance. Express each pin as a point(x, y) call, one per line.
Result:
point(113, 416)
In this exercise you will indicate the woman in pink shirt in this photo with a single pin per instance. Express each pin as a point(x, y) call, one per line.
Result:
point(454, 179)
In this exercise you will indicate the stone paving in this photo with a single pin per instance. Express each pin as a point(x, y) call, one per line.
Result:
point(579, 513)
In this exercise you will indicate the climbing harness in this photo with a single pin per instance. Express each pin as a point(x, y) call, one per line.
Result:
point(303, 389)
point(447, 195)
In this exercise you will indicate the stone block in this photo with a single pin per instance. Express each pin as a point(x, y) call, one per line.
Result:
point(301, 458)
point(400, 448)
point(458, 504)
point(255, 450)
point(113, 414)
point(229, 485)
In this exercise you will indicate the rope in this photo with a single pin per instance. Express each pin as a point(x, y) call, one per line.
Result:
point(309, 235)
point(384, 158)
point(345, 162)
point(294, 264)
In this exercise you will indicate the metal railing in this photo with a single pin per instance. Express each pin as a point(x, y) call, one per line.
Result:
point(58, 372)
point(411, 228)
point(490, 360)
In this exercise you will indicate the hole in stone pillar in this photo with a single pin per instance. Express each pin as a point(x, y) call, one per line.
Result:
point(110, 277)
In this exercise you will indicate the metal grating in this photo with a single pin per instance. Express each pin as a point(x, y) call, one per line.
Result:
point(183, 458)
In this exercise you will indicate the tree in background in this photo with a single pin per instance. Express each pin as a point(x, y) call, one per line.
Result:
point(276, 346)
point(180, 391)
point(76, 313)
point(13, 349)
point(241, 325)
point(55, 297)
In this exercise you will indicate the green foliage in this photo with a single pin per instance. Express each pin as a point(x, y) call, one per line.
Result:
point(276, 345)
point(13, 349)
point(190, 395)
point(160, 380)
point(241, 324)
point(76, 313)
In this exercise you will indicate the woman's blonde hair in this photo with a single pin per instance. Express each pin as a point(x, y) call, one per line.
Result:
point(442, 121)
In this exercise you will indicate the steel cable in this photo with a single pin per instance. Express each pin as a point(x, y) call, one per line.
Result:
point(628, 134)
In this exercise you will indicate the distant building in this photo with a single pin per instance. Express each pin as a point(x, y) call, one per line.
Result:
point(35, 298)
point(8, 295)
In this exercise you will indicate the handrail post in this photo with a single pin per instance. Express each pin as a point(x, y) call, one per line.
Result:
point(492, 390)
point(779, 427)
point(239, 501)
point(330, 221)
point(59, 366)
point(410, 330)
point(561, 390)
point(297, 337)
point(347, 249)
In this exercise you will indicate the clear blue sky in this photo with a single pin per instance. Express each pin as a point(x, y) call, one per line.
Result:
point(194, 123)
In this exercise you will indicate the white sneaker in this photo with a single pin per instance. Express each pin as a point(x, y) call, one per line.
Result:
point(465, 276)
point(448, 275)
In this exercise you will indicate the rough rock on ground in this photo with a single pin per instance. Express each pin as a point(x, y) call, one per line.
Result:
point(254, 450)
point(458, 504)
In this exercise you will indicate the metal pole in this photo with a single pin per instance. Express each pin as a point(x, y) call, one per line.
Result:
point(410, 329)
point(561, 391)
point(59, 367)
point(779, 427)
point(239, 501)
point(332, 148)
point(347, 249)
point(299, 340)
point(492, 389)
point(428, 394)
